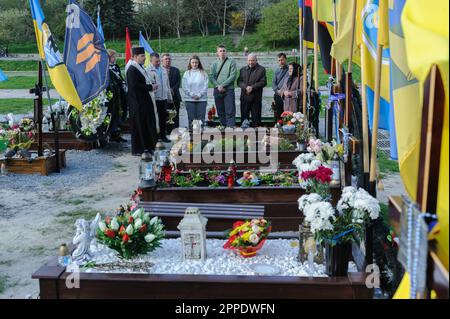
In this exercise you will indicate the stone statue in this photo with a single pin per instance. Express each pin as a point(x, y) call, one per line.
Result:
point(85, 232)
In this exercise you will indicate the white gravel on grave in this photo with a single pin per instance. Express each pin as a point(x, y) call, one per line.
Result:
point(167, 259)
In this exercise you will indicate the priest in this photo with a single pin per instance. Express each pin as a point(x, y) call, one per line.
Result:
point(143, 114)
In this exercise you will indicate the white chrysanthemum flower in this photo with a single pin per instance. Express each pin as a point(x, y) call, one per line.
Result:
point(320, 216)
point(308, 199)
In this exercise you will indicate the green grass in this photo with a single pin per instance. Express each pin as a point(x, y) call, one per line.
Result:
point(18, 106)
point(14, 65)
point(20, 82)
point(386, 165)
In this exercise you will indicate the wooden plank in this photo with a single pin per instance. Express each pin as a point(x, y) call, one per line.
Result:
point(437, 275)
point(43, 165)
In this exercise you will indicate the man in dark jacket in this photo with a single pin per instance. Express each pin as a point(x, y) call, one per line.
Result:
point(252, 80)
point(143, 113)
point(279, 78)
point(117, 104)
point(175, 82)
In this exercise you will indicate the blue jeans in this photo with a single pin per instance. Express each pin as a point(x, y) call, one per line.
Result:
point(226, 107)
point(196, 110)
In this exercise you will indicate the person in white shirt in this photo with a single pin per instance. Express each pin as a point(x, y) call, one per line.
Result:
point(195, 89)
point(163, 94)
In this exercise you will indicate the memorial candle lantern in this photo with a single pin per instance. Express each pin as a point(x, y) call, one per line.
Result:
point(193, 235)
point(167, 170)
point(147, 171)
point(336, 168)
point(160, 156)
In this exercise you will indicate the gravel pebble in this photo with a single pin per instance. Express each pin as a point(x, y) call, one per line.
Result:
point(82, 168)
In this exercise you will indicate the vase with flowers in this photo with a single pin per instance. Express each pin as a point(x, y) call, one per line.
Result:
point(338, 228)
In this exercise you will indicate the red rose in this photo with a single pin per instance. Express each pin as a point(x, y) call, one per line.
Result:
point(130, 220)
point(110, 233)
point(280, 122)
point(125, 238)
point(121, 229)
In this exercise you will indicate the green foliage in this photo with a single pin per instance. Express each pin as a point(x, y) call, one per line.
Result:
point(129, 244)
point(15, 26)
point(386, 165)
point(285, 145)
point(279, 23)
point(114, 14)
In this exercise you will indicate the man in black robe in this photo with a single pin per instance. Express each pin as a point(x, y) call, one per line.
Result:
point(143, 115)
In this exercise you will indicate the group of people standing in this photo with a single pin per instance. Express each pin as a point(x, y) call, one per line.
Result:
point(153, 90)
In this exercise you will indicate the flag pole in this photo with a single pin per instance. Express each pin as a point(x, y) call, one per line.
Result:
point(348, 78)
point(376, 111)
point(305, 68)
point(365, 124)
point(300, 31)
point(337, 64)
point(316, 46)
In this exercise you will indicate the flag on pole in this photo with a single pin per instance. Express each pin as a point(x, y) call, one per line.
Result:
point(419, 38)
point(374, 33)
point(426, 33)
point(127, 46)
point(340, 50)
point(49, 52)
point(325, 7)
point(325, 40)
point(3, 76)
point(85, 54)
point(99, 24)
point(148, 49)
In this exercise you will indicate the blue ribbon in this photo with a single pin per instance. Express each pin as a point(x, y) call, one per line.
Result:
point(333, 102)
point(335, 238)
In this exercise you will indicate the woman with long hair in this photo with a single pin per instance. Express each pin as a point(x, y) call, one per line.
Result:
point(195, 89)
point(291, 91)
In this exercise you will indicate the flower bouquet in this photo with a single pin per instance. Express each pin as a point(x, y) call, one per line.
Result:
point(318, 181)
point(92, 122)
point(248, 237)
point(21, 136)
point(337, 229)
point(325, 151)
point(131, 232)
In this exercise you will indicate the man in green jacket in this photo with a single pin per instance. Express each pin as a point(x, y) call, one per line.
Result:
point(223, 74)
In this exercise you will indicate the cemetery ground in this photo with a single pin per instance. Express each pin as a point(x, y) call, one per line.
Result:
point(37, 213)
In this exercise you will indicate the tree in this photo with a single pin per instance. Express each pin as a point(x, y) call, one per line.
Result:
point(16, 26)
point(115, 15)
point(279, 22)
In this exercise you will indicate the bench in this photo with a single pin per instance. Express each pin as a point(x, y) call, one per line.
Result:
point(220, 216)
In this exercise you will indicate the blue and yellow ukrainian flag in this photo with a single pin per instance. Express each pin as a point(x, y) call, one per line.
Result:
point(85, 54)
point(375, 31)
point(148, 49)
point(49, 52)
